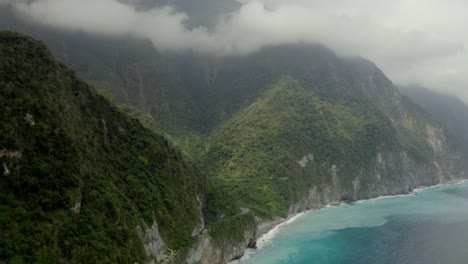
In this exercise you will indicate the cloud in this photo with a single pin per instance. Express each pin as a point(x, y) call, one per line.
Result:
point(163, 25)
point(412, 40)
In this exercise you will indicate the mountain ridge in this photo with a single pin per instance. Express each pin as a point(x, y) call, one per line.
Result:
point(448, 110)
point(82, 181)
point(254, 124)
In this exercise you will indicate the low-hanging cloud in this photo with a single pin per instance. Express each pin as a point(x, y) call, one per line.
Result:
point(412, 40)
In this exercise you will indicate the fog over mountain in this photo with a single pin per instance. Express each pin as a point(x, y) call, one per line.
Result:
point(414, 41)
point(182, 131)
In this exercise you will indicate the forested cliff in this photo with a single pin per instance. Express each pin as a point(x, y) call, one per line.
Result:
point(181, 157)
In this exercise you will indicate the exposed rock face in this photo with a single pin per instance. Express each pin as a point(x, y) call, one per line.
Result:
point(389, 173)
point(436, 141)
point(12, 156)
point(446, 109)
point(207, 251)
point(196, 253)
point(154, 245)
point(305, 160)
point(77, 208)
point(252, 244)
point(201, 225)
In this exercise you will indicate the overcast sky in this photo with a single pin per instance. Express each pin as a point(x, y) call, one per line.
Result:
point(421, 41)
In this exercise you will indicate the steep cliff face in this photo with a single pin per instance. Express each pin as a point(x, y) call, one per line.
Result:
point(291, 150)
point(435, 159)
point(83, 182)
point(389, 173)
point(409, 150)
point(287, 141)
point(448, 110)
point(209, 251)
point(283, 130)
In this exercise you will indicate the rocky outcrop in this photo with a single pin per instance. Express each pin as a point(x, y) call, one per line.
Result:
point(154, 245)
point(196, 252)
point(201, 225)
point(9, 158)
point(209, 251)
point(416, 152)
point(305, 160)
point(389, 173)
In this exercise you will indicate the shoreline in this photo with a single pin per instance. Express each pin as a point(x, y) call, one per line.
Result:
point(270, 229)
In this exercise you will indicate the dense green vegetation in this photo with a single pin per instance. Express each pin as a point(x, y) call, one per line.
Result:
point(78, 175)
point(246, 126)
point(257, 152)
point(214, 105)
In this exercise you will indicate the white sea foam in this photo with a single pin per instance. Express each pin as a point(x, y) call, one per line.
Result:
point(378, 220)
point(267, 237)
point(383, 197)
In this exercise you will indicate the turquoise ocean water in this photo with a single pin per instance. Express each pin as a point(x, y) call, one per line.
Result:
point(430, 226)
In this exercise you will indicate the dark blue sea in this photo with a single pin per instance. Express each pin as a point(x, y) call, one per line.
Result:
point(427, 227)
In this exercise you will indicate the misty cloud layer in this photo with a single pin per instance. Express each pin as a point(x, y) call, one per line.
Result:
point(419, 41)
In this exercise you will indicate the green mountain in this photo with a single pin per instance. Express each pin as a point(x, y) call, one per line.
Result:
point(337, 127)
point(282, 130)
point(192, 98)
point(285, 143)
point(83, 182)
point(446, 109)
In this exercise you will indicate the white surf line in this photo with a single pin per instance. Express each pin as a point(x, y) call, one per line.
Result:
point(268, 236)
